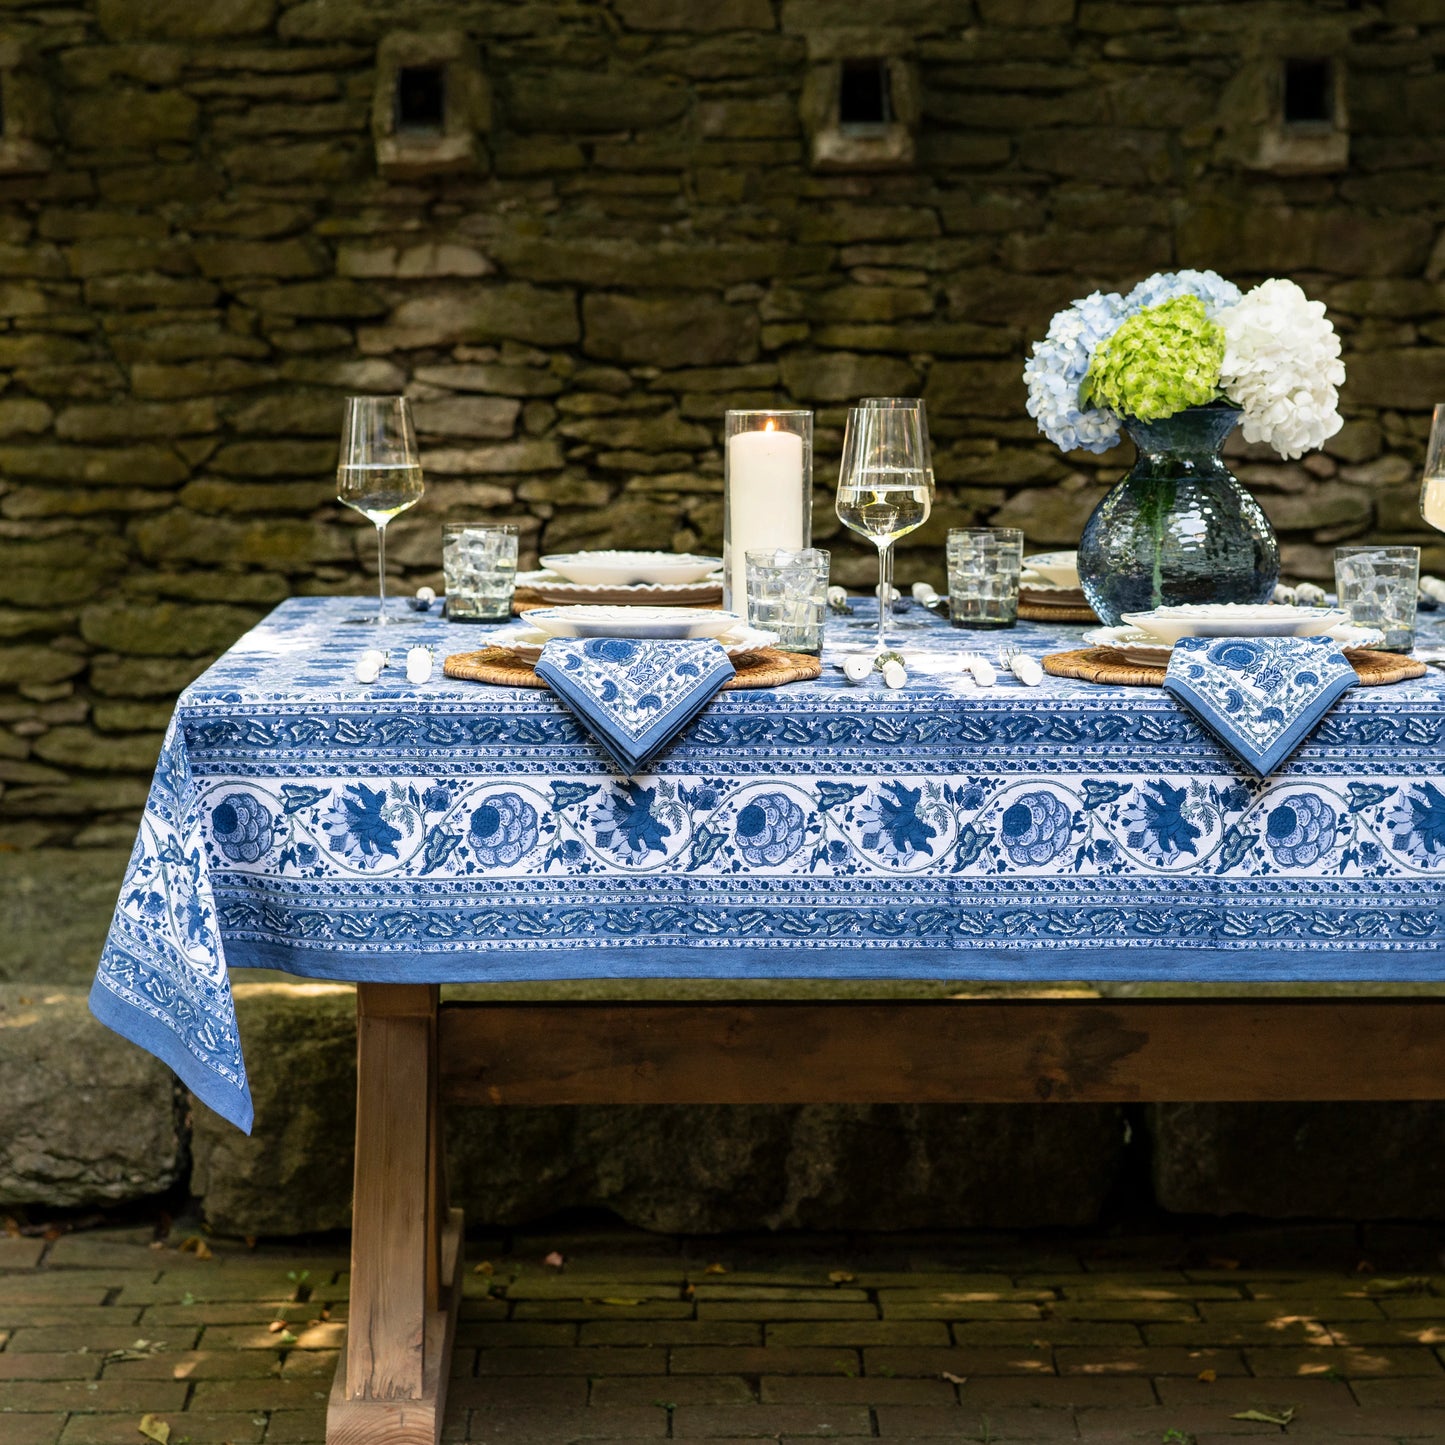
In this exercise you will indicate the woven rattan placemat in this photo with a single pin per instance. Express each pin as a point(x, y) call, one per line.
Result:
point(767, 667)
point(1050, 612)
point(1104, 664)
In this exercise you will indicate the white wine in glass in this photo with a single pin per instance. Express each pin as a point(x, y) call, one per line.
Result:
point(885, 489)
point(379, 472)
point(1432, 491)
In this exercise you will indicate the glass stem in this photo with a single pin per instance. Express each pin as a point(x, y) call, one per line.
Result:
point(885, 581)
point(380, 573)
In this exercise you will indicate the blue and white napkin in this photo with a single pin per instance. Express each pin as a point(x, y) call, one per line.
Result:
point(634, 695)
point(1261, 696)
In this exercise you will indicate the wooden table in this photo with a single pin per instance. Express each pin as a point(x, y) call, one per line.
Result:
point(415, 1054)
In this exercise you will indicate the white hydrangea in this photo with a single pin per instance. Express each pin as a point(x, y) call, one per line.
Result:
point(1282, 365)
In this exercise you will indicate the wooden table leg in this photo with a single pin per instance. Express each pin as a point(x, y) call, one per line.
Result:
point(406, 1244)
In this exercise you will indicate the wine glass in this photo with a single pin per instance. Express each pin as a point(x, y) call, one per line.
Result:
point(885, 488)
point(379, 471)
point(893, 402)
point(1432, 489)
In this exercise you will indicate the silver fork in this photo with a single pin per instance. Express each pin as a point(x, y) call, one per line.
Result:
point(1011, 657)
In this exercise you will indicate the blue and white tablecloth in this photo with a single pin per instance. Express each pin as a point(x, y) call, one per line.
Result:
point(452, 831)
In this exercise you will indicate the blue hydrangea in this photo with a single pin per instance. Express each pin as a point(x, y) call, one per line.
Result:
point(1057, 369)
point(770, 829)
point(1300, 830)
point(1209, 286)
point(1035, 829)
point(241, 824)
point(503, 828)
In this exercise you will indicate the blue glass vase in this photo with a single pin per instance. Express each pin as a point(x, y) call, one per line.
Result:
point(1179, 527)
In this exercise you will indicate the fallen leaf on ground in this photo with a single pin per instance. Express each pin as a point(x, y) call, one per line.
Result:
point(154, 1428)
point(285, 1338)
point(140, 1350)
point(484, 1266)
point(716, 1269)
point(955, 1379)
point(841, 1276)
point(276, 1326)
point(1264, 1417)
point(1207, 1376)
point(194, 1244)
point(555, 1259)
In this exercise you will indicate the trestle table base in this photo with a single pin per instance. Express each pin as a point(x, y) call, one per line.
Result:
point(414, 1054)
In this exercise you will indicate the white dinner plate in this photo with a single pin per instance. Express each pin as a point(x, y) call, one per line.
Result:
point(625, 569)
point(549, 587)
point(527, 642)
point(1060, 568)
point(1146, 649)
point(1236, 619)
point(659, 622)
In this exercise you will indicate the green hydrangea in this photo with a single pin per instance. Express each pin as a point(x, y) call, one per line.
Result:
point(1161, 360)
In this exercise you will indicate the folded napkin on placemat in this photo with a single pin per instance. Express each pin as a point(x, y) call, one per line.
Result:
point(633, 696)
point(1261, 696)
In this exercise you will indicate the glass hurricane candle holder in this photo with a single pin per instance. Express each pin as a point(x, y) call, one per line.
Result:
point(767, 491)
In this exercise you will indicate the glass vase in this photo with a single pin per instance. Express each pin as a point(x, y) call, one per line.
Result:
point(1178, 528)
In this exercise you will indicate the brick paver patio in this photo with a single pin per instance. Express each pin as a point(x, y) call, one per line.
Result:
point(1167, 1339)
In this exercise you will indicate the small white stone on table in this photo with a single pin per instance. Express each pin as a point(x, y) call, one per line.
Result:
point(925, 594)
point(418, 664)
point(369, 664)
point(857, 667)
point(1307, 594)
point(894, 674)
point(1285, 596)
point(984, 673)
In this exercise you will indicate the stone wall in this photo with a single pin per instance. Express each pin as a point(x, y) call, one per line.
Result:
point(198, 260)
point(211, 231)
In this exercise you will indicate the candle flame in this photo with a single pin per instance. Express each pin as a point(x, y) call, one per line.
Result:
point(771, 426)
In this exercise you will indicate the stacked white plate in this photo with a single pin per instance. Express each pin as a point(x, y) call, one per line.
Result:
point(548, 586)
point(1052, 579)
point(527, 642)
point(1236, 619)
point(1148, 638)
point(675, 623)
point(1053, 569)
point(658, 579)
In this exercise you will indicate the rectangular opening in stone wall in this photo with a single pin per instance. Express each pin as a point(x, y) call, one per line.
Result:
point(1309, 92)
point(421, 99)
point(864, 102)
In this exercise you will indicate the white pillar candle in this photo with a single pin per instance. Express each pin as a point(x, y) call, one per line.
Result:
point(766, 505)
